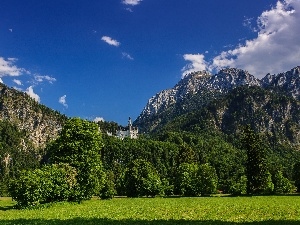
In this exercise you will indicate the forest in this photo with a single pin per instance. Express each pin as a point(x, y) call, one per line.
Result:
point(84, 162)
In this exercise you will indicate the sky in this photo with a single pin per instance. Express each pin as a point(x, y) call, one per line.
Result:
point(104, 59)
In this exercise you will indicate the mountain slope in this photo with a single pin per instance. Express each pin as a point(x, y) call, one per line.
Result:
point(198, 89)
point(275, 115)
point(190, 93)
point(39, 122)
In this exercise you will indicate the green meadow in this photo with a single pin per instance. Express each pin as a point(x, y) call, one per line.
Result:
point(262, 210)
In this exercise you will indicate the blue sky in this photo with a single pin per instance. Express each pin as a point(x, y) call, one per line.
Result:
point(106, 58)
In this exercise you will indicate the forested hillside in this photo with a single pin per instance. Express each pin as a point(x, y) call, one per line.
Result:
point(25, 129)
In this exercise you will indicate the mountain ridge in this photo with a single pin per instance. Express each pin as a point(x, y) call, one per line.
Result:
point(208, 87)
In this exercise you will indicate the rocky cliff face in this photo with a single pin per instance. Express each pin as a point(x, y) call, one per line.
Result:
point(288, 82)
point(39, 122)
point(202, 87)
point(198, 82)
point(274, 115)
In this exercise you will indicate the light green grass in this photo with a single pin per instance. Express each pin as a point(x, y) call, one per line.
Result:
point(263, 210)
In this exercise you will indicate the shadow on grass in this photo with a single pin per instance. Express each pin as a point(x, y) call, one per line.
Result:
point(5, 208)
point(97, 221)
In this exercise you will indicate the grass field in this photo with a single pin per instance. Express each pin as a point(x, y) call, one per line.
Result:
point(263, 210)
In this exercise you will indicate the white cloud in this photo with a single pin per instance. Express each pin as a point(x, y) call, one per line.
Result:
point(1, 81)
point(18, 82)
point(197, 63)
point(11, 30)
point(127, 56)
point(7, 67)
point(110, 41)
point(33, 95)
point(40, 78)
point(62, 100)
point(97, 119)
point(275, 49)
point(131, 2)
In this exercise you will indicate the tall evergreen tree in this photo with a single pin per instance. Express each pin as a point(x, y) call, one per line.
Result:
point(258, 178)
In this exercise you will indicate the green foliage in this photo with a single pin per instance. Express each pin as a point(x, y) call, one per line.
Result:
point(194, 180)
point(142, 179)
point(296, 175)
point(239, 187)
point(13, 155)
point(187, 177)
point(108, 191)
point(281, 184)
point(79, 145)
point(207, 179)
point(267, 186)
point(56, 182)
point(258, 178)
point(110, 127)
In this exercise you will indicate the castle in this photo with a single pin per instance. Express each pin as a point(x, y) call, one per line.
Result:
point(129, 131)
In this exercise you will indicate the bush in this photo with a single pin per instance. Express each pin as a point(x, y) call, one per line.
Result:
point(207, 179)
point(187, 179)
point(239, 187)
point(296, 175)
point(109, 189)
point(281, 184)
point(51, 183)
point(142, 179)
point(194, 180)
point(168, 189)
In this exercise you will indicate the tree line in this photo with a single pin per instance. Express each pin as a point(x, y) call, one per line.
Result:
point(83, 162)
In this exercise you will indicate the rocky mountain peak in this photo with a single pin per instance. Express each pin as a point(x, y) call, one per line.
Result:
point(198, 82)
point(230, 78)
point(288, 81)
point(204, 87)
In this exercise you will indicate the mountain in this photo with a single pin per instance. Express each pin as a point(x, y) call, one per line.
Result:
point(274, 115)
point(288, 82)
point(196, 90)
point(39, 122)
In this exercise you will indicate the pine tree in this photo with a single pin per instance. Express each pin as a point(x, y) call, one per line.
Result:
point(258, 178)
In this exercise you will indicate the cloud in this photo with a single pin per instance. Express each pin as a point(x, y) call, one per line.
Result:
point(11, 30)
point(197, 63)
point(98, 119)
point(275, 49)
point(62, 100)
point(31, 93)
point(110, 41)
point(18, 82)
point(1, 81)
point(7, 67)
point(40, 78)
point(127, 56)
point(131, 2)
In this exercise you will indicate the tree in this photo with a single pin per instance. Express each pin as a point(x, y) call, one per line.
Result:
point(296, 175)
point(258, 178)
point(187, 176)
point(109, 189)
point(79, 145)
point(16, 153)
point(56, 182)
point(282, 185)
point(239, 187)
point(207, 179)
point(142, 179)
